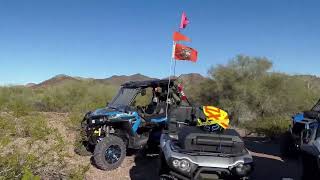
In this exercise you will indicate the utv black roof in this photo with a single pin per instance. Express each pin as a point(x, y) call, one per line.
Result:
point(149, 83)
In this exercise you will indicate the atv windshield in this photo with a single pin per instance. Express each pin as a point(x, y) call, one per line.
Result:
point(124, 97)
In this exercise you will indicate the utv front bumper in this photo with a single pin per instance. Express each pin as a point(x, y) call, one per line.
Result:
point(202, 167)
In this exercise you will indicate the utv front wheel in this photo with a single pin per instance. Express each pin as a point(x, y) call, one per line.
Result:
point(109, 153)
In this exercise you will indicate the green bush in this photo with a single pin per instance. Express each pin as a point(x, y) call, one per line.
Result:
point(252, 94)
point(17, 100)
point(75, 96)
point(17, 165)
point(79, 96)
point(8, 130)
point(35, 127)
point(271, 127)
point(27, 175)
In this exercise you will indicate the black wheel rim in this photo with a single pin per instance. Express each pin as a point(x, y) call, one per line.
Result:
point(113, 154)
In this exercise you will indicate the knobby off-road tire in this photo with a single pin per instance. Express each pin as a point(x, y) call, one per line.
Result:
point(100, 152)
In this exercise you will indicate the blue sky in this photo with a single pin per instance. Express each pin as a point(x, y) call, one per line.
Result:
point(96, 38)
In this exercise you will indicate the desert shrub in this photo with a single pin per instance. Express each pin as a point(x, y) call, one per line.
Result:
point(249, 91)
point(29, 147)
point(28, 175)
point(74, 96)
point(35, 127)
point(271, 126)
point(17, 165)
point(7, 127)
point(17, 100)
point(75, 119)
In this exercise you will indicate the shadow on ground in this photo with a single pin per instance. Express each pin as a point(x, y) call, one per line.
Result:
point(146, 167)
point(268, 162)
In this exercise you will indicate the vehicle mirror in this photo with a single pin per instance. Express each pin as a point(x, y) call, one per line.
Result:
point(143, 92)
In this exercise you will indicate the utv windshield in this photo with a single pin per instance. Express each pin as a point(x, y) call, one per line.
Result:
point(124, 97)
point(316, 107)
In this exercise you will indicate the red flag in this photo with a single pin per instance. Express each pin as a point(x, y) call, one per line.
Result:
point(184, 21)
point(182, 52)
point(180, 37)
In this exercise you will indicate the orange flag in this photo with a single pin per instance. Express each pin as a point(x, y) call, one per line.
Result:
point(180, 37)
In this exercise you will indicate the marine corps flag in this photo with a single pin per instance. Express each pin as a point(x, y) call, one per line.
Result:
point(182, 52)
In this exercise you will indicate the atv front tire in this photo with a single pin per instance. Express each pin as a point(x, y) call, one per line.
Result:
point(109, 153)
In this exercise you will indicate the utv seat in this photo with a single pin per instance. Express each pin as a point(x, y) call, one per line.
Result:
point(158, 115)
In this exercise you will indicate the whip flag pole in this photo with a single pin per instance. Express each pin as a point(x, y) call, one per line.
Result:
point(176, 37)
point(171, 60)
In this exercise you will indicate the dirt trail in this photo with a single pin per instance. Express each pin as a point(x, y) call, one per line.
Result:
point(268, 163)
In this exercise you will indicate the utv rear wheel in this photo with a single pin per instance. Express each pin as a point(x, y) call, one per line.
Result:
point(109, 153)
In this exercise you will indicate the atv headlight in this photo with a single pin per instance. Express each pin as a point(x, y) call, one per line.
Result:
point(182, 165)
point(185, 165)
point(242, 169)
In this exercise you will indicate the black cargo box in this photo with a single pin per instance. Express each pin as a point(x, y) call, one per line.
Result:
point(195, 139)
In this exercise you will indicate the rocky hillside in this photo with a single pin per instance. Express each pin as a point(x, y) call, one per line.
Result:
point(118, 80)
point(56, 80)
point(192, 79)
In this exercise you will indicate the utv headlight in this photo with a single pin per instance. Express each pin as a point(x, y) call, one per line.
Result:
point(182, 165)
point(242, 169)
point(112, 116)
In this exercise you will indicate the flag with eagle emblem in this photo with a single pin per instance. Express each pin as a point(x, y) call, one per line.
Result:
point(182, 52)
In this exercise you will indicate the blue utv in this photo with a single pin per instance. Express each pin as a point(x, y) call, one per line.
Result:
point(126, 123)
point(291, 141)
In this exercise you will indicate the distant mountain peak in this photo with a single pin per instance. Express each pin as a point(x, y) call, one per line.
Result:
point(30, 84)
point(120, 79)
point(61, 76)
point(116, 80)
point(56, 80)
